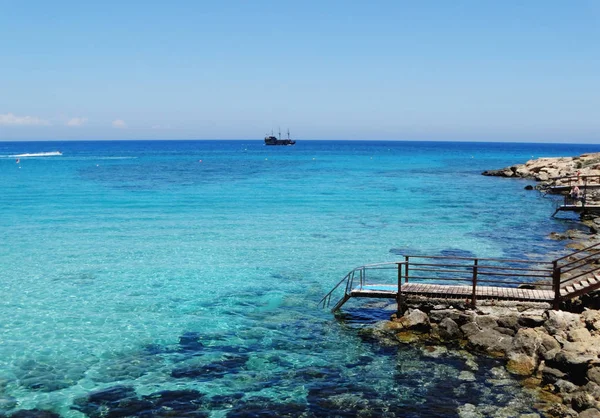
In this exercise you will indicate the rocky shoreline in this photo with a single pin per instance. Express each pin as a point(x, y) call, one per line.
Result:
point(546, 171)
point(555, 351)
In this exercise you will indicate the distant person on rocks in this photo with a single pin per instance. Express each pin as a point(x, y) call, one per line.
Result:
point(575, 193)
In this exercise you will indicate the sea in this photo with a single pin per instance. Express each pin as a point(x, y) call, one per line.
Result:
point(182, 278)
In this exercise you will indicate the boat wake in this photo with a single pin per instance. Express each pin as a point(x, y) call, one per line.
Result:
point(38, 154)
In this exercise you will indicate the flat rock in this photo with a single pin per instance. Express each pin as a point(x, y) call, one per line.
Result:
point(589, 413)
point(490, 342)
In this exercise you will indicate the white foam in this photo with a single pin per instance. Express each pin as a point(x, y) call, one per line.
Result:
point(38, 154)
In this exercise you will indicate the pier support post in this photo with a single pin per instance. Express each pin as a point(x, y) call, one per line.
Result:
point(400, 300)
point(556, 285)
point(474, 294)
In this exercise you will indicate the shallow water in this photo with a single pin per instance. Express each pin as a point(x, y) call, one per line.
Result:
point(133, 264)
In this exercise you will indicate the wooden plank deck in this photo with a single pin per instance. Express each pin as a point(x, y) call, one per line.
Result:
point(578, 208)
point(560, 189)
point(454, 292)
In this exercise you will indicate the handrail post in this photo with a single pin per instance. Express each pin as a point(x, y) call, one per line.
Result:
point(406, 269)
point(474, 295)
point(556, 285)
point(349, 278)
point(399, 294)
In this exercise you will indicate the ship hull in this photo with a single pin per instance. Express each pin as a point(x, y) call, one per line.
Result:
point(280, 142)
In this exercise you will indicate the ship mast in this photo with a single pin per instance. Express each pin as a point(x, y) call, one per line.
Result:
point(279, 133)
point(288, 134)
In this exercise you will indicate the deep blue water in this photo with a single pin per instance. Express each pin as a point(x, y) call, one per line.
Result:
point(197, 266)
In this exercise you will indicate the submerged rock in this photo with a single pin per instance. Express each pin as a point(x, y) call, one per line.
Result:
point(120, 398)
point(261, 407)
point(227, 364)
point(176, 403)
point(48, 377)
point(469, 411)
point(190, 341)
point(122, 401)
point(34, 413)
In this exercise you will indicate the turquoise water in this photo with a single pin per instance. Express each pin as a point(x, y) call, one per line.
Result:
point(197, 265)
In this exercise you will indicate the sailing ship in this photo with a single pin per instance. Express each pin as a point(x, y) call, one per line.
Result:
point(272, 140)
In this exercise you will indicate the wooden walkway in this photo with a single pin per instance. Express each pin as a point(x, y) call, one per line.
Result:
point(566, 189)
point(454, 292)
point(577, 208)
point(473, 279)
point(564, 185)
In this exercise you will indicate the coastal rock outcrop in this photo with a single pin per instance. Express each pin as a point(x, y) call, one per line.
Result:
point(543, 169)
point(550, 172)
point(560, 349)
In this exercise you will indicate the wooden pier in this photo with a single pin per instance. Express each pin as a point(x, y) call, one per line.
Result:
point(454, 292)
point(570, 207)
point(473, 279)
point(571, 203)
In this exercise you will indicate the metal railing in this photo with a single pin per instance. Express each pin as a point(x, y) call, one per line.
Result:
point(349, 280)
point(571, 197)
point(570, 270)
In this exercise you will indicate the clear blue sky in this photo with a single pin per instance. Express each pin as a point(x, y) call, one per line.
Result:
point(509, 70)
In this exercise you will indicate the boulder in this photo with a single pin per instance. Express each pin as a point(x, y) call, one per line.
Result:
point(415, 320)
point(496, 173)
point(552, 375)
point(448, 329)
point(470, 328)
point(489, 341)
point(560, 410)
point(438, 315)
point(564, 386)
point(521, 364)
point(523, 352)
point(527, 341)
point(581, 401)
point(593, 374)
point(509, 321)
point(589, 413)
point(486, 321)
point(574, 364)
point(593, 389)
point(559, 322)
point(581, 342)
point(549, 347)
point(522, 171)
point(506, 331)
point(592, 319)
point(579, 335)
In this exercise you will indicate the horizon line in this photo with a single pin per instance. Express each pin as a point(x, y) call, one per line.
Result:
point(301, 140)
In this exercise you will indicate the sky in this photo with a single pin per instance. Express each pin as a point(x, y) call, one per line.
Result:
point(509, 70)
